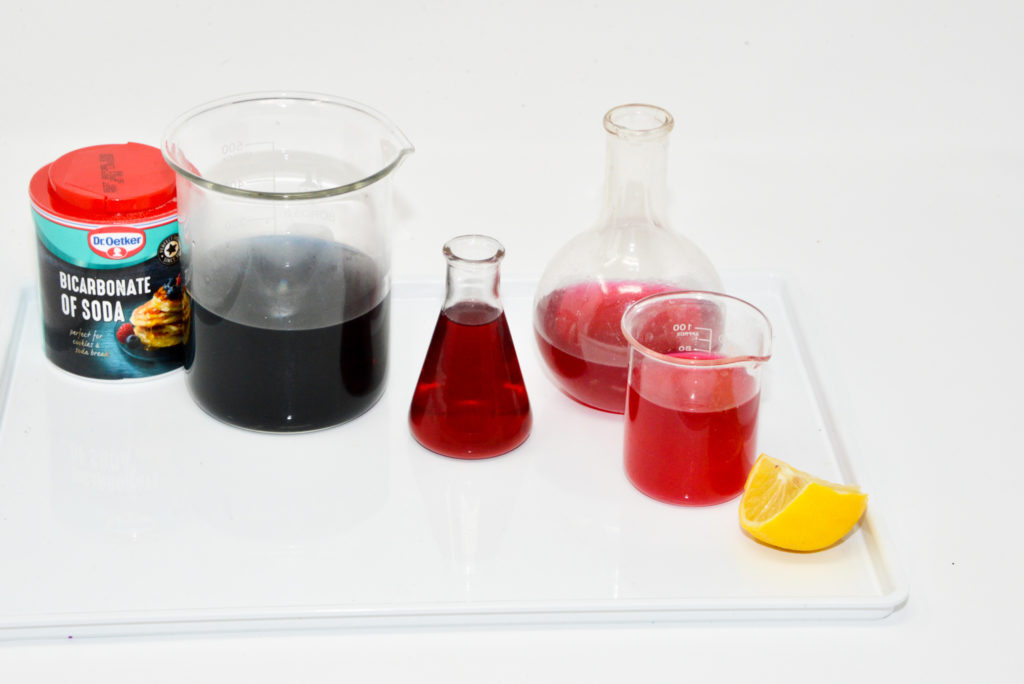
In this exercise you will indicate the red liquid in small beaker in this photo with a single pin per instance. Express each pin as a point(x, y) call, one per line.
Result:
point(470, 401)
point(693, 457)
point(580, 339)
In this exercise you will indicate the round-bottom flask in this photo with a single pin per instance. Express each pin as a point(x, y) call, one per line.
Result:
point(630, 253)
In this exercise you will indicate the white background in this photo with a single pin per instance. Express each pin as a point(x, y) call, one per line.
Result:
point(872, 151)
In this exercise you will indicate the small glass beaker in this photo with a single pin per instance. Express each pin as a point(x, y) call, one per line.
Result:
point(284, 206)
point(693, 393)
point(470, 400)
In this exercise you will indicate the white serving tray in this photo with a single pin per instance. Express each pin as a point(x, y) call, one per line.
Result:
point(124, 509)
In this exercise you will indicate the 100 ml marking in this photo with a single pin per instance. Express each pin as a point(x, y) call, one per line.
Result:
point(697, 339)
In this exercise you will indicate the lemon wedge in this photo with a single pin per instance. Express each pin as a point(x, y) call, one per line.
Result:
point(790, 509)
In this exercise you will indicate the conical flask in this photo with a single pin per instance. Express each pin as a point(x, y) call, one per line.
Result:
point(470, 401)
point(629, 254)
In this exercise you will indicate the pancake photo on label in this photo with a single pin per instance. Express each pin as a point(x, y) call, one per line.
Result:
point(157, 329)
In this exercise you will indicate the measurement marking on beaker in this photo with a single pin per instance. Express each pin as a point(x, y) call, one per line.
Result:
point(230, 149)
point(266, 146)
point(696, 341)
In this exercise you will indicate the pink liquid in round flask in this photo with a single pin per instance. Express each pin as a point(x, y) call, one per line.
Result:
point(631, 253)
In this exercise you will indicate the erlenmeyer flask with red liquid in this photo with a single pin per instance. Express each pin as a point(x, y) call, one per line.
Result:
point(630, 253)
point(470, 400)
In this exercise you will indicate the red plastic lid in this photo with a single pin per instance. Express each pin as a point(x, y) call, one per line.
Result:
point(106, 181)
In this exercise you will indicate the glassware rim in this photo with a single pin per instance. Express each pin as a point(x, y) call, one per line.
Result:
point(618, 129)
point(495, 255)
point(405, 146)
point(701, 295)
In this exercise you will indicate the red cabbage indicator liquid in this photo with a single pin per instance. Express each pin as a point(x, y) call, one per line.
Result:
point(287, 334)
point(580, 338)
point(470, 401)
point(682, 453)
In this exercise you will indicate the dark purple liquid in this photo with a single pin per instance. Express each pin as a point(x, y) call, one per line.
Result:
point(287, 334)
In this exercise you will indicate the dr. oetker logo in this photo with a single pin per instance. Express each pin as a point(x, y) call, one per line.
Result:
point(117, 243)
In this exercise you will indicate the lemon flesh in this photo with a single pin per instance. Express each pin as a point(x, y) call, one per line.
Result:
point(790, 509)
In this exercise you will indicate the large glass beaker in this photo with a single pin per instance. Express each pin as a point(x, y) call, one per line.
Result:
point(284, 206)
point(629, 254)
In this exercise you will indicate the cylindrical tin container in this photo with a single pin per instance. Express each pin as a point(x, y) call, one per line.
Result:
point(109, 280)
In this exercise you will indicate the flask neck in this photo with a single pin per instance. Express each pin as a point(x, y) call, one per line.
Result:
point(636, 168)
point(473, 278)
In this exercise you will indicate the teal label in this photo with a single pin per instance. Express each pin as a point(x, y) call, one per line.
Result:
point(109, 246)
point(111, 298)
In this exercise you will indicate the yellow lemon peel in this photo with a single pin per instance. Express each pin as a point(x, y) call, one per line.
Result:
point(793, 510)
